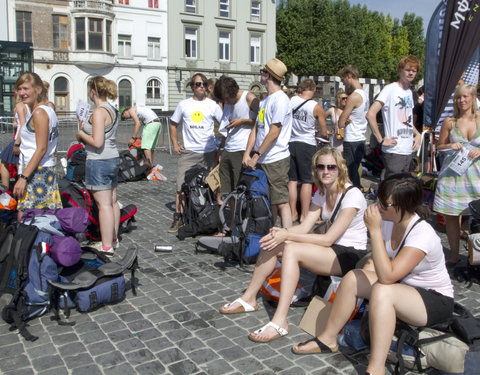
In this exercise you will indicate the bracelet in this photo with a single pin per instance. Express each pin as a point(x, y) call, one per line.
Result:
point(23, 176)
point(257, 153)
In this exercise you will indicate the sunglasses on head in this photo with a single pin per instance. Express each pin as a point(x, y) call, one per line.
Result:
point(200, 84)
point(328, 167)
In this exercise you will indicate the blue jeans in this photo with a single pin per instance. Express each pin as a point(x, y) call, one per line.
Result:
point(101, 174)
point(353, 152)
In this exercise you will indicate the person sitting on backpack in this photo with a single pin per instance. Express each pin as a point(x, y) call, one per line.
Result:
point(36, 186)
point(410, 281)
point(150, 132)
point(333, 253)
point(101, 167)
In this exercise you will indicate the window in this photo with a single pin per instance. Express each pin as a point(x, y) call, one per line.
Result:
point(153, 3)
point(81, 42)
point(24, 26)
point(95, 37)
point(224, 45)
point(60, 88)
point(124, 46)
point(60, 31)
point(124, 93)
point(154, 48)
point(109, 36)
point(224, 10)
point(255, 44)
point(191, 42)
point(154, 92)
point(255, 11)
point(191, 6)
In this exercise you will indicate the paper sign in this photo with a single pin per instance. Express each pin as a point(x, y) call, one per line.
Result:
point(461, 162)
point(213, 178)
point(83, 109)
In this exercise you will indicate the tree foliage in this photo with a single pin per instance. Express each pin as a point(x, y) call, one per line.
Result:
point(319, 37)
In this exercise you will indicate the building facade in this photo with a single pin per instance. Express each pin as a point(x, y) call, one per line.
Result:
point(215, 37)
point(126, 41)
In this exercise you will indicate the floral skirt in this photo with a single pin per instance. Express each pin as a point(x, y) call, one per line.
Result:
point(41, 191)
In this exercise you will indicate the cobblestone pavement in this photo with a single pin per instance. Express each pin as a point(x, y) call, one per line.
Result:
point(172, 326)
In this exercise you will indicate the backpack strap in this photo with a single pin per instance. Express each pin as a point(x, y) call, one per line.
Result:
point(405, 238)
point(300, 106)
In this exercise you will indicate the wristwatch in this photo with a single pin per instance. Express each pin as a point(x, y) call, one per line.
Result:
point(23, 176)
point(257, 153)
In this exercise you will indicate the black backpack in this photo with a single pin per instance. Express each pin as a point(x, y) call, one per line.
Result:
point(200, 210)
point(130, 169)
point(17, 242)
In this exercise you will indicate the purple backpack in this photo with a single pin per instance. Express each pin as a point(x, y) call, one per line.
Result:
point(65, 251)
point(73, 220)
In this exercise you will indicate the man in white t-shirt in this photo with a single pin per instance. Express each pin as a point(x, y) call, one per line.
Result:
point(196, 115)
point(308, 123)
point(354, 121)
point(396, 103)
point(268, 141)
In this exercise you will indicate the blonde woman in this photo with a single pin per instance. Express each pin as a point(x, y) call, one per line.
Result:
point(334, 113)
point(101, 168)
point(334, 253)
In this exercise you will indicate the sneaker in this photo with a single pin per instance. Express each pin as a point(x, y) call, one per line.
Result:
point(98, 246)
point(176, 223)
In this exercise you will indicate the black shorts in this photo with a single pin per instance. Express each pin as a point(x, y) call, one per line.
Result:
point(347, 256)
point(301, 162)
point(439, 307)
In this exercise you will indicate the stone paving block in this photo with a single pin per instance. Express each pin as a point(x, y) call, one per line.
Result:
point(92, 337)
point(78, 360)
point(183, 368)
point(91, 369)
point(54, 371)
point(130, 345)
point(219, 343)
point(170, 355)
point(252, 366)
point(121, 335)
point(148, 334)
point(150, 368)
point(140, 325)
point(233, 353)
point(217, 367)
point(100, 347)
point(15, 362)
point(203, 355)
point(169, 325)
point(71, 349)
point(190, 344)
point(110, 359)
point(138, 357)
point(120, 369)
point(278, 363)
point(24, 371)
point(158, 344)
point(45, 363)
point(179, 334)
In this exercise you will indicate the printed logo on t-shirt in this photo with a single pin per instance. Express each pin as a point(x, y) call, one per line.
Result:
point(404, 107)
point(261, 118)
point(197, 117)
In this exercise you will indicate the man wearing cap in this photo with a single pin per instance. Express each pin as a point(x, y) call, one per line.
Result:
point(196, 114)
point(151, 129)
point(268, 140)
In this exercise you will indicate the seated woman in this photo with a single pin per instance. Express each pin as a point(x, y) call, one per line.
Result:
point(411, 282)
point(334, 253)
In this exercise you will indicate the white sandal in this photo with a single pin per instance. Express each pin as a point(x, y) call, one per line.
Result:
point(280, 332)
point(243, 308)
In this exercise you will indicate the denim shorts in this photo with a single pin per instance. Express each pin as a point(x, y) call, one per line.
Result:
point(101, 174)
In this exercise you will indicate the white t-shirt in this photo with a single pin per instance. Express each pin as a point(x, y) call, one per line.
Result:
point(196, 117)
point(145, 114)
point(356, 129)
point(237, 137)
point(303, 123)
point(29, 141)
point(431, 272)
point(274, 109)
point(397, 113)
point(356, 233)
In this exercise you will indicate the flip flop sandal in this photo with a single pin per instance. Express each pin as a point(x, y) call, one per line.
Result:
point(280, 332)
point(243, 308)
point(320, 349)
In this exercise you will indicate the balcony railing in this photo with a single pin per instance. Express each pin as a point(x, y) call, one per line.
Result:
point(101, 5)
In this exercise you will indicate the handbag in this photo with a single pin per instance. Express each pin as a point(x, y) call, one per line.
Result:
point(325, 225)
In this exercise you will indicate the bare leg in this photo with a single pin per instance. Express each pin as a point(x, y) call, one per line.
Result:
point(322, 260)
point(356, 283)
point(149, 157)
point(106, 217)
point(452, 227)
point(285, 214)
point(388, 302)
point(292, 198)
point(305, 199)
point(5, 174)
point(116, 213)
point(263, 268)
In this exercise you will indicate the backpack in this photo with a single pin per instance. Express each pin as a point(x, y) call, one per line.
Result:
point(93, 282)
point(76, 160)
point(200, 211)
point(17, 242)
point(251, 217)
point(130, 169)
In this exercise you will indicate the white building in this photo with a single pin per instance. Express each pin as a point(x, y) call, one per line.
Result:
point(125, 41)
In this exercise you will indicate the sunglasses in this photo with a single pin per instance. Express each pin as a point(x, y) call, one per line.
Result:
point(328, 167)
point(200, 84)
point(263, 72)
point(344, 98)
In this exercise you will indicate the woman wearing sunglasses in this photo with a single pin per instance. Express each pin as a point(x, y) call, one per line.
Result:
point(333, 253)
point(334, 113)
point(410, 281)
